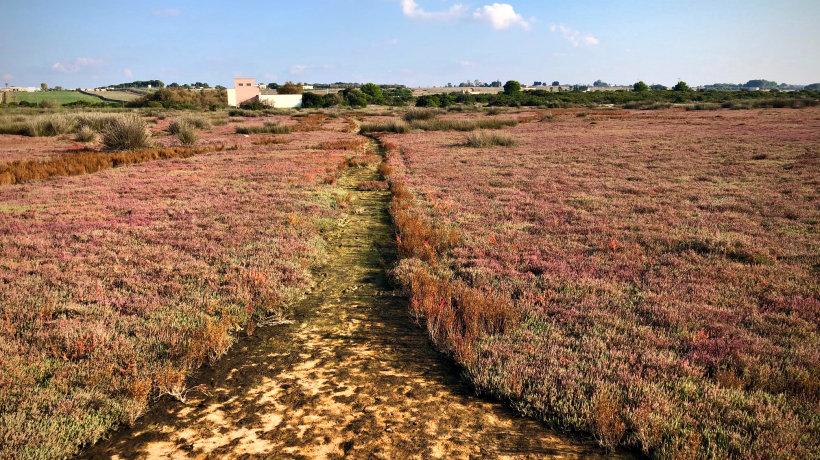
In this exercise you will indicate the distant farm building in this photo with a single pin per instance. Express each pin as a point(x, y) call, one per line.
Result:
point(246, 90)
point(19, 89)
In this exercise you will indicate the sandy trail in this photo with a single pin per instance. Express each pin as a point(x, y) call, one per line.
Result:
point(353, 376)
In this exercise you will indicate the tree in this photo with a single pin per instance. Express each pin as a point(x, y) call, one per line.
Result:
point(600, 83)
point(373, 91)
point(512, 87)
point(555, 83)
point(43, 86)
point(640, 87)
point(273, 85)
point(289, 88)
point(657, 87)
point(58, 88)
point(680, 86)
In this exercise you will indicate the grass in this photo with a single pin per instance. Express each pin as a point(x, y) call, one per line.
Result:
point(269, 127)
point(89, 161)
point(143, 274)
point(483, 139)
point(56, 97)
point(436, 124)
point(187, 135)
point(420, 114)
point(662, 280)
point(85, 134)
point(126, 132)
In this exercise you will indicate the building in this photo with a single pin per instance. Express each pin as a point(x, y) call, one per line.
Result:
point(19, 89)
point(246, 90)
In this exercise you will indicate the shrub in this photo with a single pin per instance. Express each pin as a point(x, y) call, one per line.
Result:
point(85, 134)
point(438, 124)
point(271, 127)
point(127, 132)
point(187, 134)
point(482, 139)
point(289, 88)
point(419, 114)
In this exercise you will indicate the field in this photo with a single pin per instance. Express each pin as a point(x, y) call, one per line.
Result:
point(124, 96)
point(57, 97)
point(115, 285)
point(651, 278)
point(637, 282)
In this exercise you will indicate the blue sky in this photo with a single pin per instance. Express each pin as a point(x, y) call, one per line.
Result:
point(414, 42)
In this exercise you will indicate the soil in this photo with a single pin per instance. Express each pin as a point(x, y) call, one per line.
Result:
point(353, 376)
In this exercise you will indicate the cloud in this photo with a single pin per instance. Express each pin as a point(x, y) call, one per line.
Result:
point(127, 73)
point(167, 12)
point(298, 69)
point(501, 16)
point(498, 15)
point(574, 36)
point(411, 9)
point(75, 65)
point(466, 63)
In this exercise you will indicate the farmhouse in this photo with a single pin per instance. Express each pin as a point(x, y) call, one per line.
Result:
point(246, 90)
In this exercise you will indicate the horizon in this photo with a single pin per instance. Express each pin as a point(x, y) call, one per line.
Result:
point(413, 43)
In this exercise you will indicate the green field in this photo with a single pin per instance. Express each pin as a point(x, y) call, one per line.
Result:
point(59, 97)
point(116, 95)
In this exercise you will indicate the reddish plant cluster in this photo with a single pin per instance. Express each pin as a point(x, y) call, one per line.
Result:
point(90, 161)
point(115, 285)
point(662, 267)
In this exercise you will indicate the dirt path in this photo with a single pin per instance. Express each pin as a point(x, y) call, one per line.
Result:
point(352, 376)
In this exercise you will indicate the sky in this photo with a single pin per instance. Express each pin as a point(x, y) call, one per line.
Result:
point(411, 42)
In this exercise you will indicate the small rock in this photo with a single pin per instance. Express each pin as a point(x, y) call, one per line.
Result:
point(388, 429)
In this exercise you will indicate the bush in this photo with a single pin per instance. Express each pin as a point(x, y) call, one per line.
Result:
point(483, 139)
point(187, 134)
point(85, 134)
point(127, 132)
point(289, 88)
point(271, 127)
point(419, 114)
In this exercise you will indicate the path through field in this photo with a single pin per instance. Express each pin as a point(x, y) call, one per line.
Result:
point(352, 376)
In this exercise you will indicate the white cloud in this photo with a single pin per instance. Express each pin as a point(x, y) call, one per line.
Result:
point(75, 65)
point(574, 36)
point(298, 69)
point(127, 73)
point(501, 16)
point(411, 9)
point(498, 15)
point(167, 12)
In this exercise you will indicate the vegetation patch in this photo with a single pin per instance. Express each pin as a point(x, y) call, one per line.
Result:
point(483, 139)
point(269, 127)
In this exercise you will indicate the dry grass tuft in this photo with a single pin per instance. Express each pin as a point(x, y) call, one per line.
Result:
point(483, 139)
point(126, 132)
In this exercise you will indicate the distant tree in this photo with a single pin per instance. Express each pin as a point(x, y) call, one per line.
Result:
point(762, 84)
point(813, 86)
point(373, 91)
point(289, 88)
point(555, 83)
point(536, 83)
point(640, 87)
point(600, 83)
point(680, 86)
point(352, 97)
point(43, 86)
point(218, 87)
point(496, 84)
point(657, 87)
point(273, 85)
point(174, 85)
point(58, 88)
point(512, 87)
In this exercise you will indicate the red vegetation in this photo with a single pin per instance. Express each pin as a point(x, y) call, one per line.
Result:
point(661, 266)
